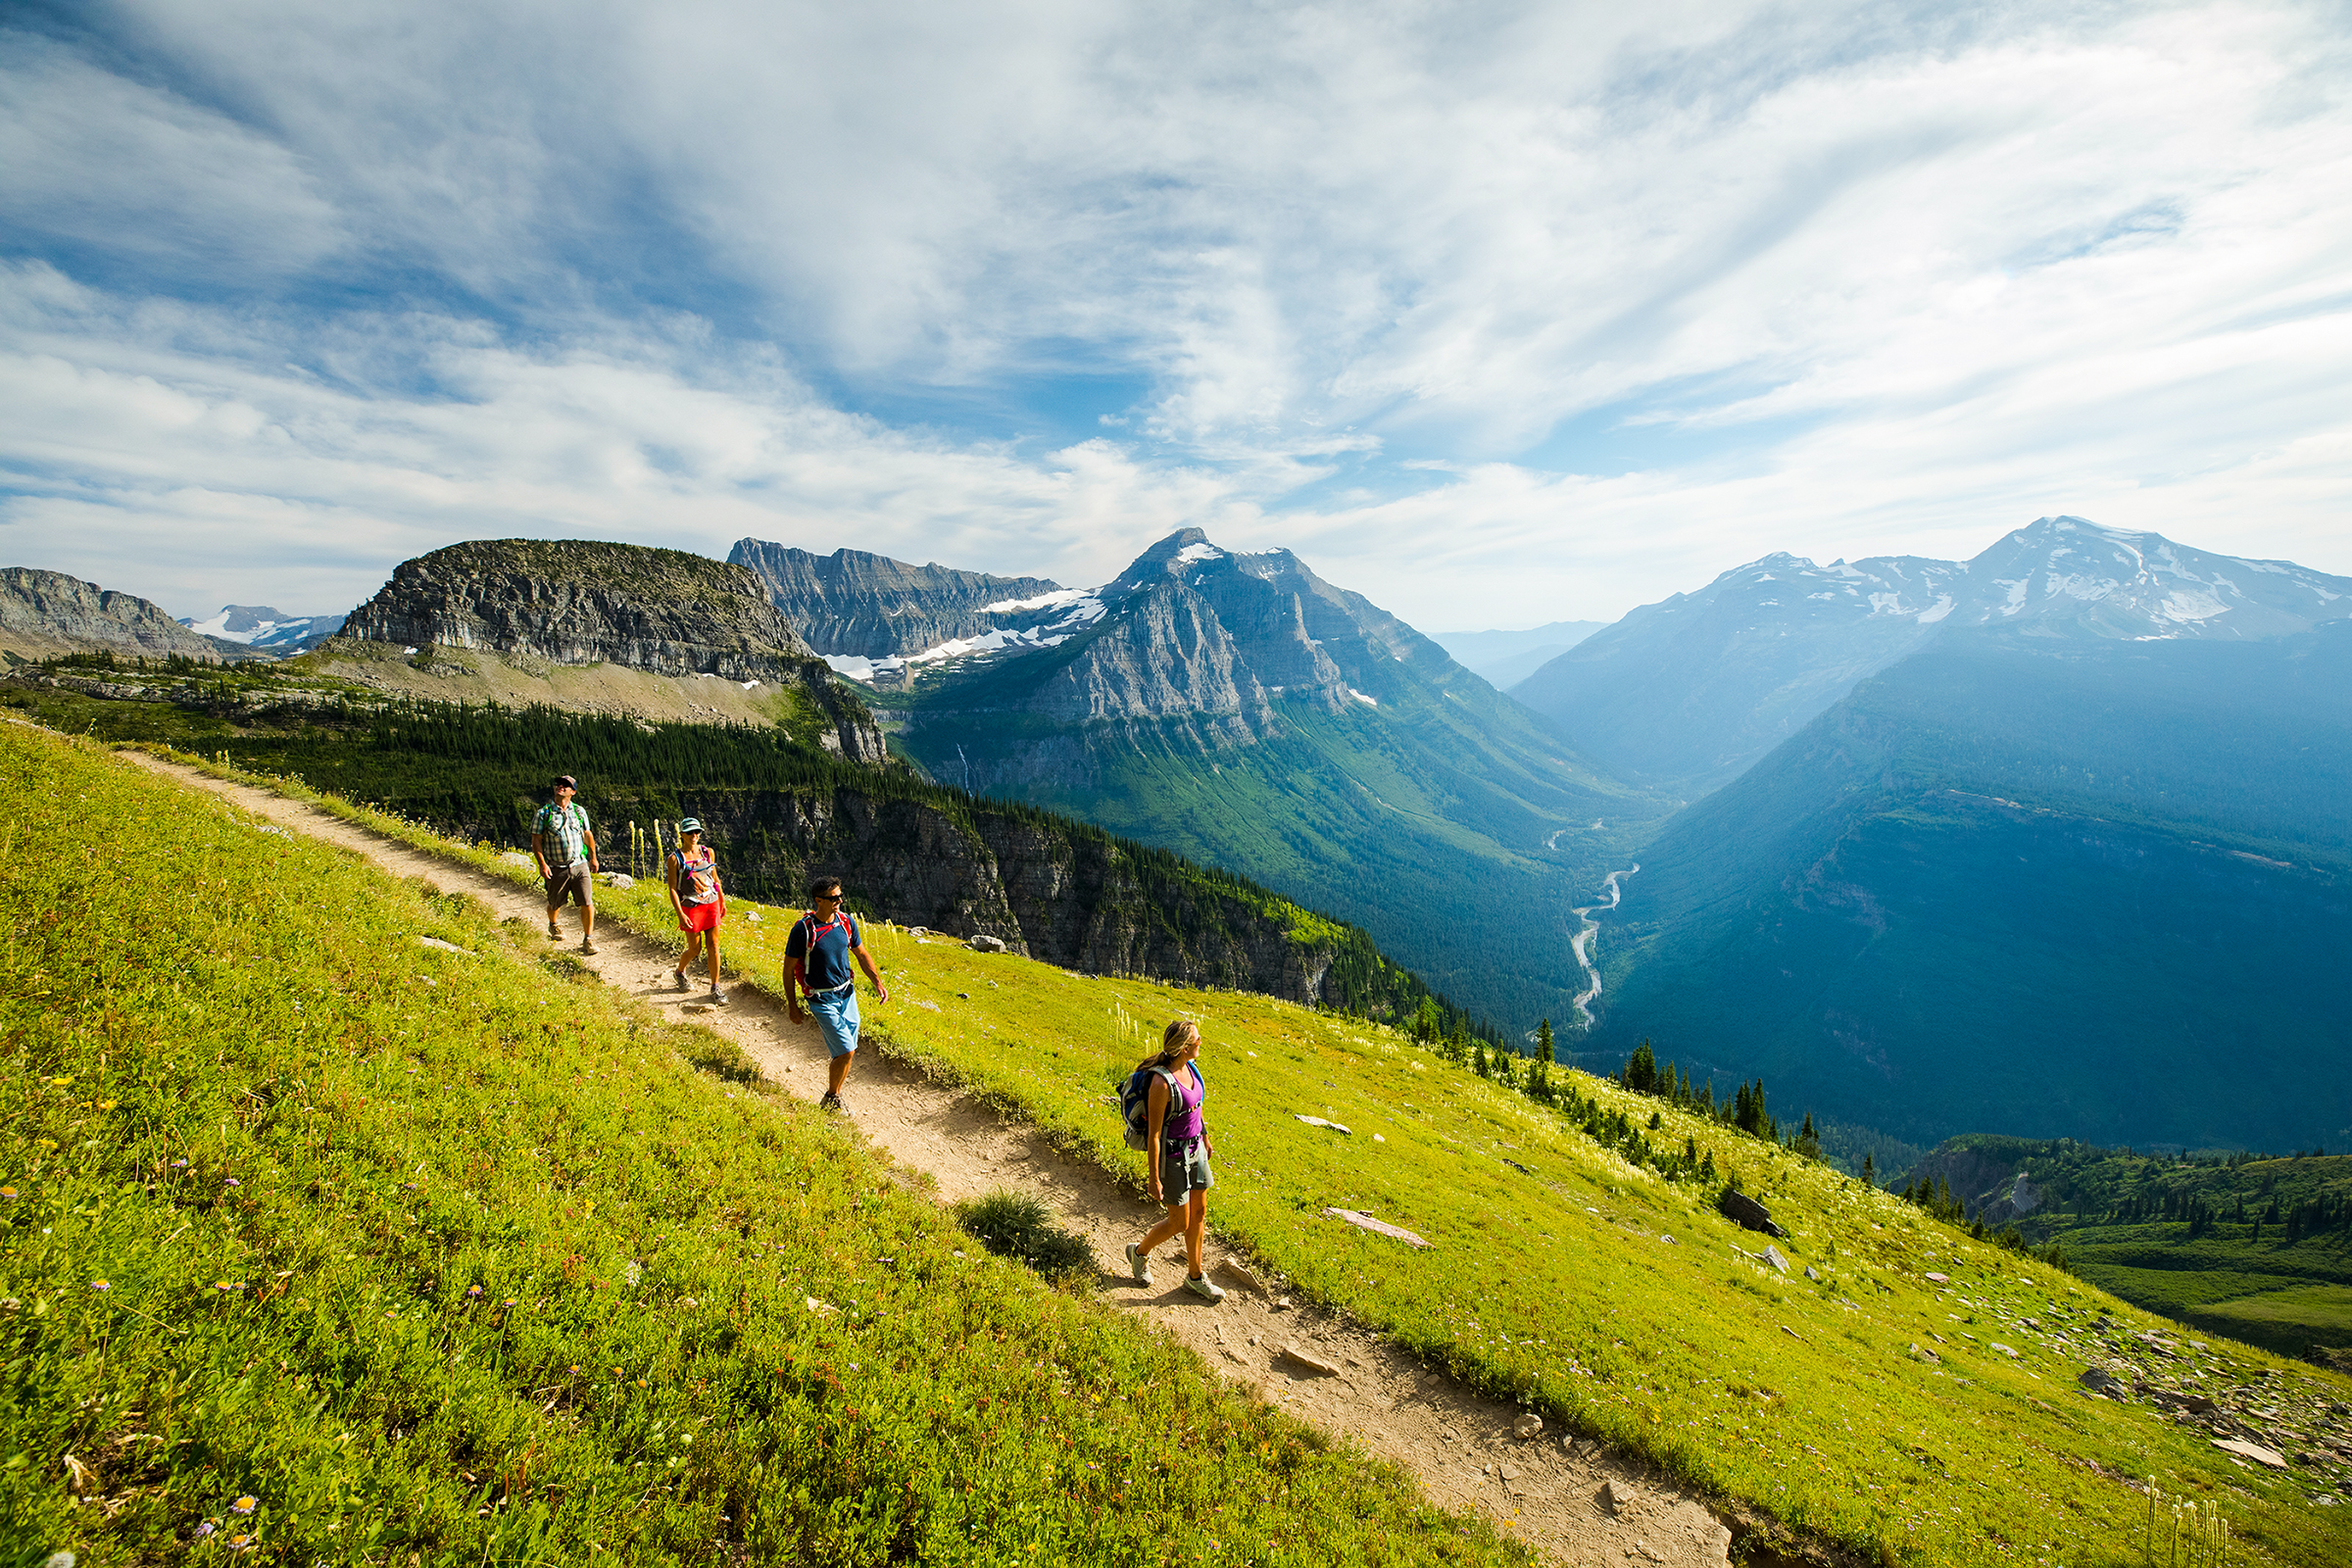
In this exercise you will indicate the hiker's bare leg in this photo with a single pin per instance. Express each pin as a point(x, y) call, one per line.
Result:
point(1195, 1220)
point(839, 1070)
point(693, 945)
point(1169, 1225)
point(587, 921)
point(711, 952)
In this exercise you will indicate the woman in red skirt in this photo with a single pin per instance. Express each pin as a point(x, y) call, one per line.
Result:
point(700, 902)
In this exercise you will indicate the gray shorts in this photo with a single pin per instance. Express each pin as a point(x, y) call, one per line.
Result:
point(571, 882)
point(1184, 1170)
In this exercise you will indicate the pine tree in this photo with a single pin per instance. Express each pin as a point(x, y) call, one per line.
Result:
point(1543, 1050)
point(1870, 1171)
point(1642, 1070)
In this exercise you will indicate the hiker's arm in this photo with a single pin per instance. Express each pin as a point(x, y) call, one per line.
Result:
point(1156, 1117)
point(866, 962)
point(588, 836)
point(793, 981)
point(539, 854)
point(670, 880)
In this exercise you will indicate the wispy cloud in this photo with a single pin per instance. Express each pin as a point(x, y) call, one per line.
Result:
point(299, 292)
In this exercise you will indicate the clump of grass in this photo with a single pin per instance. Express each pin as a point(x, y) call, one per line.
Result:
point(568, 966)
point(1021, 1225)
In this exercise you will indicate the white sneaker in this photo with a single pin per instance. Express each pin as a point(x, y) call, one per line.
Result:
point(1139, 1265)
point(1205, 1288)
point(719, 998)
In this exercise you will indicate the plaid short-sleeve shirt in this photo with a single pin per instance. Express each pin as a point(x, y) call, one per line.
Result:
point(565, 831)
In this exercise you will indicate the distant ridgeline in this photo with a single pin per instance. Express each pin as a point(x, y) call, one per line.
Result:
point(777, 811)
point(2258, 1247)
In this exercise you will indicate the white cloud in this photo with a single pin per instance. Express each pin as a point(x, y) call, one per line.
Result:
point(1838, 280)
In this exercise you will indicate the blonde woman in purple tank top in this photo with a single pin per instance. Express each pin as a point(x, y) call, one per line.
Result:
point(1178, 1161)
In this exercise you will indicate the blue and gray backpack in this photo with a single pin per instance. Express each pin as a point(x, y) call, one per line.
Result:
point(1135, 1100)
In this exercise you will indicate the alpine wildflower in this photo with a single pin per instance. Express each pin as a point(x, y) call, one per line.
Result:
point(245, 1505)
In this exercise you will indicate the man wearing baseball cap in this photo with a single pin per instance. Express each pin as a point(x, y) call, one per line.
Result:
point(565, 847)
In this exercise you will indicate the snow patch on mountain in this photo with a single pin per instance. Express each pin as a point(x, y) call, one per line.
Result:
point(1082, 607)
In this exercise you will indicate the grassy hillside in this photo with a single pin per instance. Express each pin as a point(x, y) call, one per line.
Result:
point(2255, 1247)
point(324, 1242)
point(1872, 1405)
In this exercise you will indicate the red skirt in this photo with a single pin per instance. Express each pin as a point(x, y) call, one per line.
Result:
point(705, 916)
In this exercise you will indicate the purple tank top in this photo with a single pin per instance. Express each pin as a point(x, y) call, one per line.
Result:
point(1185, 1094)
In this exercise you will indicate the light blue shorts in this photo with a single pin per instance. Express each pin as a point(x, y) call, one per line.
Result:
point(836, 1016)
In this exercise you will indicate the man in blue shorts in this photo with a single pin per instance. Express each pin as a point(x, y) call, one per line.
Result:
point(816, 959)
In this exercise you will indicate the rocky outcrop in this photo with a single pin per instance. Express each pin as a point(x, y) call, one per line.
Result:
point(664, 612)
point(855, 603)
point(45, 615)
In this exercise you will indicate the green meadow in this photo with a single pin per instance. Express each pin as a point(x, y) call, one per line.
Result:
point(338, 1223)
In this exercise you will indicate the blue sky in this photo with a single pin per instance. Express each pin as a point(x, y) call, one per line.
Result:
point(1501, 315)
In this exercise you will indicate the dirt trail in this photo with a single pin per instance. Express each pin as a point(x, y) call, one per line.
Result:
point(1459, 1444)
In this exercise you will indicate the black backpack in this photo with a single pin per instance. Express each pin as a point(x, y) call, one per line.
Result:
point(1135, 1100)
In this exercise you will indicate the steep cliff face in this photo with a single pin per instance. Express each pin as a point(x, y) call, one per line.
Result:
point(46, 614)
point(662, 611)
point(1164, 655)
point(855, 603)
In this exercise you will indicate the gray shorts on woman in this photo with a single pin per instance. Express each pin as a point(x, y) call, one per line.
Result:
point(1183, 1169)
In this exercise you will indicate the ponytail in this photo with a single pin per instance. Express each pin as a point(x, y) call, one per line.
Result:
point(1171, 1040)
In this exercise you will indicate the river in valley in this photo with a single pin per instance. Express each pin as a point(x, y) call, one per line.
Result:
point(1580, 943)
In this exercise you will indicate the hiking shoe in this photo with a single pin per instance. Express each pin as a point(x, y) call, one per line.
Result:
point(555, 932)
point(678, 978)
point(1204, 1288)
point(719, 998)
point(587, 946)
point(831, 1101)
point(1139, 1265)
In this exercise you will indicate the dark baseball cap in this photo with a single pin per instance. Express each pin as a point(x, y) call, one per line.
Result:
point(564, 781)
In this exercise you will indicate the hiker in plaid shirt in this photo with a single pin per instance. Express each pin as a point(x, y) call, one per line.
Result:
point(565, 847)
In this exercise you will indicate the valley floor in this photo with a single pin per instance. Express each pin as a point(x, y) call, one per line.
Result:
point(1551, 1492)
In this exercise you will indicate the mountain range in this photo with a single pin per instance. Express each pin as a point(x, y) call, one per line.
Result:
point(2050, 842)
point(1684, 694)
point(2140, 730)
point(264, 629)
point(1238, 708)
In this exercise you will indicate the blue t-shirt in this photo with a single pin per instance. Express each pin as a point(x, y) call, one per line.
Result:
point(823, 949)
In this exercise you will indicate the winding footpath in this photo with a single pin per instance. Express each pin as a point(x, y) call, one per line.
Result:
point(1577, 944)
point(1552, 1492)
